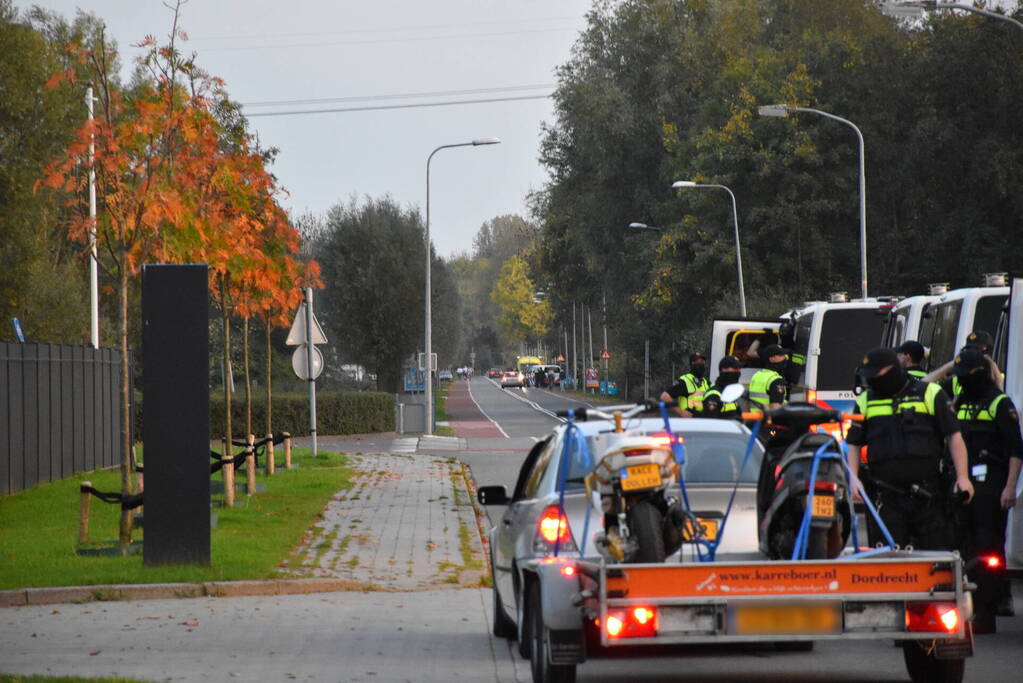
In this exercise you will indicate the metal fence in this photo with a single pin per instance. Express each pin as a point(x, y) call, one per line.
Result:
point(59, 412)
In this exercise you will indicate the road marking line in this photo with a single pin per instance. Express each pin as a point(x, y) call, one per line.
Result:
point(537, 407)
point(485, 412)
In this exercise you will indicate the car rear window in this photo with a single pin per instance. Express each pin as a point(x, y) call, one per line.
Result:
point(710, 458)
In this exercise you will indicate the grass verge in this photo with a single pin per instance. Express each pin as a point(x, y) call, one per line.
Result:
point(39, 530)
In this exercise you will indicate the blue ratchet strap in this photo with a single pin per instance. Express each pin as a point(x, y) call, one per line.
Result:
point(799, 549)
point(745, 460)
point(858, 486)
point(562, 476)
point(678, 449)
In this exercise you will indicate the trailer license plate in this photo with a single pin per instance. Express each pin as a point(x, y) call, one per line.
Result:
point(823, 506)
point(785, 619)
point(641, 477)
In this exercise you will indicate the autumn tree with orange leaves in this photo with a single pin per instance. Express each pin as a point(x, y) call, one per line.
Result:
point(176, 184)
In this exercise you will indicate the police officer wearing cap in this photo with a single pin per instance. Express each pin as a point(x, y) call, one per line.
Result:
point(729, 370)
point(907, 424)
point(911, 355)
point(768, 387)
point(978, 339)
point(994, 445)
point(689, 389)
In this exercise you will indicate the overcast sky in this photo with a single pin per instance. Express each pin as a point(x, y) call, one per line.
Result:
point(301, 50)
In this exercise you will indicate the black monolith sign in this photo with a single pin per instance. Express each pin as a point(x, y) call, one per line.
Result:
point(176, 414)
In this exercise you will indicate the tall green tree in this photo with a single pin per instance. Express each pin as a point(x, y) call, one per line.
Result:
point(521, 315)
point(372, 256)
point(43, 278)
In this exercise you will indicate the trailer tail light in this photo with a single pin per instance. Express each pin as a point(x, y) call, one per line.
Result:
point(552, 529)
point(993, 562)
point(635, 622)
point(932, 617)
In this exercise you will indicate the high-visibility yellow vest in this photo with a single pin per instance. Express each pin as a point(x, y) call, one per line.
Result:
point(759, 385)
point(980, 432)
point(695, 388)
point(730, 410)
point(902, 426)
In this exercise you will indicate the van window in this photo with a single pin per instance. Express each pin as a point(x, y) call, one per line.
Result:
point(804, 324)
point(846, 335)
point(895, 328)
point(946, 327)
point(737, 344)
point(985, 317)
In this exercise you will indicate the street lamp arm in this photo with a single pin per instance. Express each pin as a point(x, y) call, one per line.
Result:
point(978, 10)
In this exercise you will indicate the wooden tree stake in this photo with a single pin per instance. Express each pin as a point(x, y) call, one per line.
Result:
point(83, 517)
point(250, 466)
point(287, 451)
point(270, 464)
point(228, 475)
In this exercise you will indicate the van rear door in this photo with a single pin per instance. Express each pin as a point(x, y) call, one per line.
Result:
point(735, 336)
point(1014, 388)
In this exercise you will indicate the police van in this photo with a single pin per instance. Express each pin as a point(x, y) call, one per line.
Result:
point(949, 320)
point(905, 316)
point(829, 340)
point(1008, 353)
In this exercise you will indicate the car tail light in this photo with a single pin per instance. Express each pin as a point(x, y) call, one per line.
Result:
point(552, 529)
point(666, 440)
point(635, 622)
point(932, 617)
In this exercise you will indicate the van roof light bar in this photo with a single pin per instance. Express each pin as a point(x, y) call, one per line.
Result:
point(838, 298)
point(937, 288)
point(995, 279)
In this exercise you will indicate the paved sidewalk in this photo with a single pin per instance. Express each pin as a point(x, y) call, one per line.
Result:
point(408, 523)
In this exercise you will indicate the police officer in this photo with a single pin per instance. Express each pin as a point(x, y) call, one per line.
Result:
point(729, 370)
point(991, 430)
point(950, 382)
point(768, 388)
point(907, 424)
point(911, 355)
point(689, 389)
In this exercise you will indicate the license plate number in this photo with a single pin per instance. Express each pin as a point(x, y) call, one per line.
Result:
point(812, 619)
point(823, 506)
point(641, 477)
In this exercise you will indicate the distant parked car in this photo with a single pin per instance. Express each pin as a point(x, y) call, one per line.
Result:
point(494, 373)
point(445, 376)
point(511, 378)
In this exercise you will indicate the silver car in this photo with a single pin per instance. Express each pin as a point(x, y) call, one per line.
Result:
point(530, 527)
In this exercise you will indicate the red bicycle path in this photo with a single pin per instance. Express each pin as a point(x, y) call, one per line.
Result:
point(465, 417)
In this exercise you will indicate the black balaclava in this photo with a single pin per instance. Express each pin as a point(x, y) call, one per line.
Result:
point(889, 383)
point(728, 376)
point(975, 383)
point(699, 370)
point(780, 367)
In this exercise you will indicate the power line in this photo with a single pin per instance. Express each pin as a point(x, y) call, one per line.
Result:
point(399, 96)
point(398, 106)
point(386, 40)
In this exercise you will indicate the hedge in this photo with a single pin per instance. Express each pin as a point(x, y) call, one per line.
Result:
point(337, 412)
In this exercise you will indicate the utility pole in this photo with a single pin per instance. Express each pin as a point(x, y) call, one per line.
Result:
point(589, 323)
point(604, 320)
point(575, 353)
point(94, 252)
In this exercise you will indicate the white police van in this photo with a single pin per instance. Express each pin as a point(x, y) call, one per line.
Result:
point(831, 338)
point(949, 320)
point(1008, 353)
point(906, 315)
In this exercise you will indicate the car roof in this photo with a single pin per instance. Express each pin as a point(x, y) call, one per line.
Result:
point(678, 424)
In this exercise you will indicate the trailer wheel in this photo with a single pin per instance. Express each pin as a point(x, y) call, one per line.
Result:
point(647, 527)
point(924, 667)
point(540, 656)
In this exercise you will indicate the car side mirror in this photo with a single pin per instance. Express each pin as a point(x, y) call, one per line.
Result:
point(732, 393)
point(492, 495)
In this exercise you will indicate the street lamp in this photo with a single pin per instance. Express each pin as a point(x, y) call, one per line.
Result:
point(914, 9)
point(429, 330)
point(681, 184)
point(644, 226)
point(782, 110)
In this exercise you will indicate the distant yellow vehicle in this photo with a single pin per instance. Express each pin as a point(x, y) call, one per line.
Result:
point(525, 363)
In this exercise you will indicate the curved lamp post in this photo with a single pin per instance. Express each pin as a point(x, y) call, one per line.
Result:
point(916, 8)
point(682, 184)
point(429, 329)
point(782, 110)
